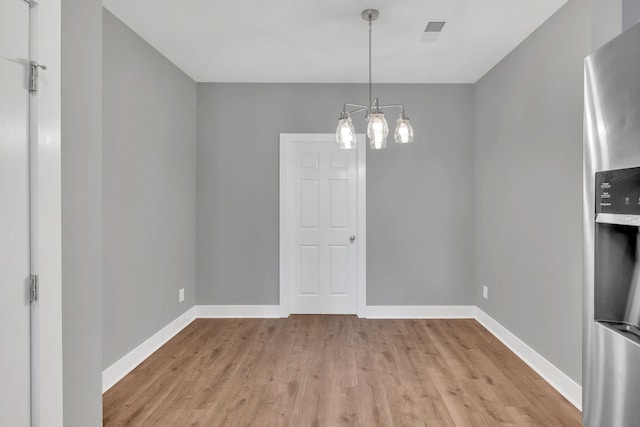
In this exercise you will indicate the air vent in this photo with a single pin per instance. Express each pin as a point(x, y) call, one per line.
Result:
point(433, 30)
point(434, 26)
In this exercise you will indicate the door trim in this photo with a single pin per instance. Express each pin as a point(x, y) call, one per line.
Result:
point(286, 139)
point(49, 410)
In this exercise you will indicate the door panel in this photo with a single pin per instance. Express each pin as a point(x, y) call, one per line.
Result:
point(309, 206)
point(309, 269)
point(339, 161)
point(14, 215)
point(339, 269)
point(322, 182)
point(339, 204)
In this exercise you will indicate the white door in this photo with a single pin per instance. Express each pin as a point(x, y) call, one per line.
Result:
point(322, 193)
point(14, 214)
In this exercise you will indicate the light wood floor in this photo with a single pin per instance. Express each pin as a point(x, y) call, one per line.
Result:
point(332, 371)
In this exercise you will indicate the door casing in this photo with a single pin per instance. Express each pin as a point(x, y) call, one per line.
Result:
point(46, 49)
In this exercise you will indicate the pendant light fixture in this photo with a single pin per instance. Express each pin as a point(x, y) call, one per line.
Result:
point(377, 128)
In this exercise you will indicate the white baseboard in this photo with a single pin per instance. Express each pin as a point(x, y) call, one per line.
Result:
point(420, 312)
point(239, 311)
point(571, 390)
point(122, 367)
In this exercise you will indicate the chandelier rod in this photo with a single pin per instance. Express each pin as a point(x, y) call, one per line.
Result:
point(370, 90)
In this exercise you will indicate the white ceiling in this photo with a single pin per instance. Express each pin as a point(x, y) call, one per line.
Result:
point(326, 40)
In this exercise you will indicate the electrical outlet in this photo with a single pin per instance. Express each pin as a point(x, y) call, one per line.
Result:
point(181, 295)
point(485, 292)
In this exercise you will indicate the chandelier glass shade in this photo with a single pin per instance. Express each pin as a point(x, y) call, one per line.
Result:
point(377, 128)
point(346, 133)
point(404, 131)
point(377, 131)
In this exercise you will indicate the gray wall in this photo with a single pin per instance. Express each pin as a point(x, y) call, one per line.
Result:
point(606, 20)
point(419, 197)
point(148, 190)
point(630, 13)
point(81, 212)
point(529, 111)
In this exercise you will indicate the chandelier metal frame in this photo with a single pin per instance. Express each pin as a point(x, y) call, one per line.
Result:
point(377, 129)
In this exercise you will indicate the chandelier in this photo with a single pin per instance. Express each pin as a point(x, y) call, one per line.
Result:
point(377, 128)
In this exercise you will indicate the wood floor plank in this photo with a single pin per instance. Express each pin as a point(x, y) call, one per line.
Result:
point(335, 370)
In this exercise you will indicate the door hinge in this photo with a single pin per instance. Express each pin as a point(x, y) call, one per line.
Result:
point(34, 287)
point(34, 68)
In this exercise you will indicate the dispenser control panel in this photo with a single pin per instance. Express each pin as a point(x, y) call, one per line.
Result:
point(618, 191)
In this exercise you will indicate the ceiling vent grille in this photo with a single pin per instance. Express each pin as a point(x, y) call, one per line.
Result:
point(433, 31)
point(434, 26)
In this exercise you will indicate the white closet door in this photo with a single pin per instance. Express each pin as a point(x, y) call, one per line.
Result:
point(14, 214)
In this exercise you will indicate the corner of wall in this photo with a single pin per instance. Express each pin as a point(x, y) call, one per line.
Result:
point(149, 215)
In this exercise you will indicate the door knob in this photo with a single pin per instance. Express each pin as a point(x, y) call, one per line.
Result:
point(352, 238)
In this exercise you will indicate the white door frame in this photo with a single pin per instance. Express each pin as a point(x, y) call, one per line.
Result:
point(46, 44)
point(286, 139)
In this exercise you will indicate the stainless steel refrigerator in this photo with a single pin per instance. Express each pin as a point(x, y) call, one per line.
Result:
point(611, 224)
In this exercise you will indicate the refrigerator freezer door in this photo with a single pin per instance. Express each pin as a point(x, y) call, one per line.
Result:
point(611, 365)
